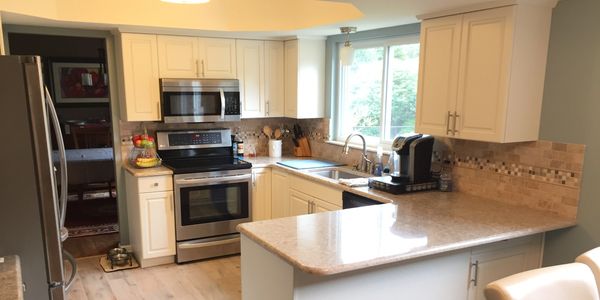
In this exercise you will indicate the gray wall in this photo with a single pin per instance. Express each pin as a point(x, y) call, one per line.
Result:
point(571, 113)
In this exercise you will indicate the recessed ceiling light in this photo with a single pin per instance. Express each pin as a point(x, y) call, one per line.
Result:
point(186, 1)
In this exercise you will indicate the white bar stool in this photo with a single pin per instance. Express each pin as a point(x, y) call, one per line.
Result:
point(573, 281)
point(592, 260)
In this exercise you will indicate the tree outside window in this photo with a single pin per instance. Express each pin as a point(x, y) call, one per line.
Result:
point(377, 93)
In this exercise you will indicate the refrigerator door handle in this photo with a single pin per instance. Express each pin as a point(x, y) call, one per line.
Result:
point(63, 161)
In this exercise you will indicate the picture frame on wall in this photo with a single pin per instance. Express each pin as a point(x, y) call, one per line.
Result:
point(76, 82)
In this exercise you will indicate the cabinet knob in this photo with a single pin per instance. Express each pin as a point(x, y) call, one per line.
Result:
point(155, 184)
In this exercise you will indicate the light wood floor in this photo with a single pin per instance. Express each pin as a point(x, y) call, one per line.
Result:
point(211, 279)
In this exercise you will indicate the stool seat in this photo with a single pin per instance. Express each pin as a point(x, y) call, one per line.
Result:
point(592, 260)
point(562, 282)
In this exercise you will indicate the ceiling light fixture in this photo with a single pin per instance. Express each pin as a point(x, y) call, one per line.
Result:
point(347, 52)
point(186, 1)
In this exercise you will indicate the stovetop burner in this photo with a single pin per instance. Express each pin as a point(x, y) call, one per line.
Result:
point(197, 165)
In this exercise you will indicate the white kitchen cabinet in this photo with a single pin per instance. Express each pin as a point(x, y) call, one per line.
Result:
point(151, 216)
point(438, 73)
point(274, 78)
point(261, 194)
point(178, 56)
point(490, 263)
point(300, 203)
point(279, 194)
point(217, 58)
point(304, 78)
point(138, 74)
point(481, 74)
point(251, 74)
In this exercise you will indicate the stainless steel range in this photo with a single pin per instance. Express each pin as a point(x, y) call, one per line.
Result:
point(213, 191)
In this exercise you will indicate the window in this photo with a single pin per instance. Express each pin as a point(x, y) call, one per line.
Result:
point(377, 93)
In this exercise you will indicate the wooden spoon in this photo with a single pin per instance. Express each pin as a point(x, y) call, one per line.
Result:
point(278, 134)
point(268, 131)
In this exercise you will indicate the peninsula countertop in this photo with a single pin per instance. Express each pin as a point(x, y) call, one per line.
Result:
point(413, 226)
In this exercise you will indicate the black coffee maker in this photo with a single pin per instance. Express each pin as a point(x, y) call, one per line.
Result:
point(413, 171)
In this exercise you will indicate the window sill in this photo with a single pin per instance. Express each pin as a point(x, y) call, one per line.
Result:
point(387, 150)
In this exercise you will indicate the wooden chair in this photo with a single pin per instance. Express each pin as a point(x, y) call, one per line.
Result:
point(573, 281)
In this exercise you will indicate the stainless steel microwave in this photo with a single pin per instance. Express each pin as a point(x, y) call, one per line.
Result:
point(200, 100)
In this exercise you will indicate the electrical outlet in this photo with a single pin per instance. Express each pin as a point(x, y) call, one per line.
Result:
point(126, 140)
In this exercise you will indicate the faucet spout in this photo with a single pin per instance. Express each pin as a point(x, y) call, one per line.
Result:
point(365, 162)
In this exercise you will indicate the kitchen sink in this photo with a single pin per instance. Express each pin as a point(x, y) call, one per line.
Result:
point(337, 174)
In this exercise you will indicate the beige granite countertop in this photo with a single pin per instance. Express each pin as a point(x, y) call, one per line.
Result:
point(11, 284)
point(266, 161)
point(413, 226)
point(156, 171)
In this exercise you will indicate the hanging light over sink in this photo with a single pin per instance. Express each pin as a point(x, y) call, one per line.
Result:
point(347, 52)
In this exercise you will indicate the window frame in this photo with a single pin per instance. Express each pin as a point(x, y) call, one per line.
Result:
point(386, 115)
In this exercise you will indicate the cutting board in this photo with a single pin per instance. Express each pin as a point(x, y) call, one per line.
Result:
point(309, 164)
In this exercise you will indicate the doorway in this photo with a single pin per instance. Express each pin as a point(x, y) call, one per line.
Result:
point(75, 71)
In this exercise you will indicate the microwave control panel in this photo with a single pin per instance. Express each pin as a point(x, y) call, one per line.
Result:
point(232, 104)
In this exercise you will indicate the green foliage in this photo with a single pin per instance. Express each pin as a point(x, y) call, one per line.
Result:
point(364, 91)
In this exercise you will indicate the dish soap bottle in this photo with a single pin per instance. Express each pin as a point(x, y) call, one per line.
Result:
point(379, 164)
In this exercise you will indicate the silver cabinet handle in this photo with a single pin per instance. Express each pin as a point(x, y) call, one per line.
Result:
point(448, 117)
point(253, 179)
point(267, 110)
point(197, 68)
point(454, 131)
point(202, 62)
point(475, 278)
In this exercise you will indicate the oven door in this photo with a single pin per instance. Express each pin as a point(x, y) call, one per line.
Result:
point(211, 204)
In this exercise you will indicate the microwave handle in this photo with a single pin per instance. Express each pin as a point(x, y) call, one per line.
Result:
point(222, 104)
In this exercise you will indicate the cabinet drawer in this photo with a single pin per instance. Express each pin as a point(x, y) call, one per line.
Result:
point(155, 184)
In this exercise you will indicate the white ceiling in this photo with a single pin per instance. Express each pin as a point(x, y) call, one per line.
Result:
point(377, 14)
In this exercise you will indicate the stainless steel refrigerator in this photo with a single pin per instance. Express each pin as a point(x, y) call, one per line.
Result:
point(32, 209)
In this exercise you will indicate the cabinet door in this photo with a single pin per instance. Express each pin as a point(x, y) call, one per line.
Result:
point(217, 58)
point(251, 73)
point(321, 206)
point(279, 194)
point(261, 194)
point(299, 203)
point(158, 224)
point(438, 74)
point(140, 98)
point(500, 261)
point(178, 56)
point(483, 76)
point(274, 95)
point(291, 78)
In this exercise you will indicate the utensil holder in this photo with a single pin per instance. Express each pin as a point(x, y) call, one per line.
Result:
point(275, 148)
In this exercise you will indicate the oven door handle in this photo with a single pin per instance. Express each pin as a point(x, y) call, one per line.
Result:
point(213, 180)
point(222, 104)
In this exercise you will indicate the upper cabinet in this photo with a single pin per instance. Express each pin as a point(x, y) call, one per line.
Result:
point(178, 57)
point(304, 79)
point(138, 76)
point(217, 58)
point(193, 57)
point(251, 73)
point(274, 74)
point(260, 71)
point(481, 74)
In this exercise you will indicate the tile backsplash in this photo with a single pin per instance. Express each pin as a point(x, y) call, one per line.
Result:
point(542, 174)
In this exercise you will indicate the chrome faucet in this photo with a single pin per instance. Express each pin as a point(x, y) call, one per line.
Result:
point(365, 163)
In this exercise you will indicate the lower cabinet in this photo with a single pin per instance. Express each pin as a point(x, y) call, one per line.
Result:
point(279, 194)
point(301, 204)
point(151, 219)
point(490, 263)
point(261, 194)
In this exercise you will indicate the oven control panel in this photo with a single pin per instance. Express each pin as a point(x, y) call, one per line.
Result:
point(202, 138)
point(193, 139)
